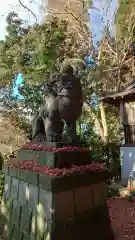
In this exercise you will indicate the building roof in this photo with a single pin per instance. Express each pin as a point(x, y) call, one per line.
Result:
point(128, 90)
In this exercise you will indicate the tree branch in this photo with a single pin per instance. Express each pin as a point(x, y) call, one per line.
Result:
point(28, 9)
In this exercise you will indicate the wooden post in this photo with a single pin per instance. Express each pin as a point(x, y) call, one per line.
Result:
point(122, 119)
point(121, 112)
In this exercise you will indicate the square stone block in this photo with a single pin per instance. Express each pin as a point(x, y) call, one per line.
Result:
point(6, 208)
point(26, 217)
point(47, 236)
point(26, 176)
point(83, 199)
point(26, 237)
point(38, 227)
point(14, 188)
point(98, 194)
point(45, 207)
point(45, 182)
point(32, 196)
point(23, 193)
point(64, 205)
point(16, 211)
point(41, 227)
point(17, 234)
point(7, 230)
point(7, 187)
point(27, 155)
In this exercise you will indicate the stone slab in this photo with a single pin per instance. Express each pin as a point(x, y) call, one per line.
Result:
point(32, 196)
point(25, 219)
point(14, 188)
point(83, 199)
point(45, 205)
point(23, 194)
point(6, 208)
point(16, 212)
point(64, 205)
point(63, 183)
point(55, 159)
point(7, 187)
point(98, 194)
point(26, 176)
point(17, 234)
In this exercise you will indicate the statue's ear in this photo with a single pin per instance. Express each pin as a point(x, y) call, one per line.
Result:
point(55, 87)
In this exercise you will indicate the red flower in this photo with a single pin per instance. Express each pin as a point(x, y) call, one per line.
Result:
point(36, 167)
point(38, 147)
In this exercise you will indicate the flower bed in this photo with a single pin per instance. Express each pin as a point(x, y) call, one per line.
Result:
point(39, 147)
point(36, 167)
point(122, 215)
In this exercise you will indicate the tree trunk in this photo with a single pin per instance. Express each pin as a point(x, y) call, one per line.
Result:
point(102, 127)
point(98, 125)
point(104, 122)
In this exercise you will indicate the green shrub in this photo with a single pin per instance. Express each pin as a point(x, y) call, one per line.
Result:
point(2, 176)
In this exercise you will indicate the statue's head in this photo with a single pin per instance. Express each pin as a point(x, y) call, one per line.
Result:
point(67, 69)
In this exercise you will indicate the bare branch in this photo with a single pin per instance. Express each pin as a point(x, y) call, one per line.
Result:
point(28, 9)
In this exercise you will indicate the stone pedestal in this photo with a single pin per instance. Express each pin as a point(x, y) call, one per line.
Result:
point(40, 207)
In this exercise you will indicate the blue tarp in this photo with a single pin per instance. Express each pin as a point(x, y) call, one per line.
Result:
point(90, 61)
point(18, 82)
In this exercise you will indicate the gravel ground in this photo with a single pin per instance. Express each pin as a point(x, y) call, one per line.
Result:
point(122, 215)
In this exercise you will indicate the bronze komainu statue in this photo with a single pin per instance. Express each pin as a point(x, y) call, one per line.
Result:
point(63, 103)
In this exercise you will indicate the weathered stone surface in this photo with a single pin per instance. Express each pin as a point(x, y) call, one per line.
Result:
point(45, 182)
point(14, 188)
point(98, 194)
point(33, 196)
point(27, 176)
point(47, 236)
point(16, 212)
point(25, 237)
point(25, 221)
point(41, 227)
point(17, 234)
point(38, 227)
point(6, 208)
point(7, 187)
point(23, 195)
point(83, 199)
point(55, 159)
point(33, 226)
point(27, 155)
point(64, 205)
point(7, 230)
point(45, 207)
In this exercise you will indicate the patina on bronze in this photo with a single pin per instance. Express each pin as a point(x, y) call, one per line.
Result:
point(63, 103)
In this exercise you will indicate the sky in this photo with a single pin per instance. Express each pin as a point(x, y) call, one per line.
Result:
point(98, 16)
point(13, 5)
point(101, 14)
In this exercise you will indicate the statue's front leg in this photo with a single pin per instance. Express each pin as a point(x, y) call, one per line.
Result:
point(38, 130)
point(52, 133)
point(35, 127)
point(71, 132)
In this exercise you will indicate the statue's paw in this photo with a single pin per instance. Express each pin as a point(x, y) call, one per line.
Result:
point(53, 138)
point(40, 138)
